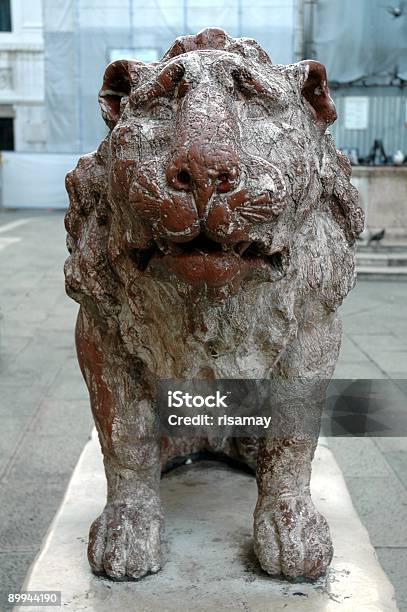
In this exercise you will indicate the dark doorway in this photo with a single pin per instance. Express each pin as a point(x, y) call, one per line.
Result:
point(5, 16)
point(6, 134)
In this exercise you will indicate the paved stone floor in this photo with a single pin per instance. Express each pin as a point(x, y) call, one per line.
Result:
point(45, 419)
point(44, 416)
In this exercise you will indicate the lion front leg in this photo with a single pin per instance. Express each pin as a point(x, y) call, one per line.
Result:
point(290, 536)
point(124, 541)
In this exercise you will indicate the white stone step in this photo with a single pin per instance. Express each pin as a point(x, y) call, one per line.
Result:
point(382, 259)
point(381, 272)
point(210, 564)
point(398, 246)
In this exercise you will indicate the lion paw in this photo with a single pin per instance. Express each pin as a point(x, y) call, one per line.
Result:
point(292, 538)
point(125, 540)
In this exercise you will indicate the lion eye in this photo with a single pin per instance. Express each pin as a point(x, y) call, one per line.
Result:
point(161, 110)
point(256, 111)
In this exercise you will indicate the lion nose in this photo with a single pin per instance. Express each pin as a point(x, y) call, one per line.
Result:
point(203, 170)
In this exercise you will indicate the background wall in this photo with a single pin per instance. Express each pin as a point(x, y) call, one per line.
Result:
point(363, 44)
point(22, 75)
point(82, 36)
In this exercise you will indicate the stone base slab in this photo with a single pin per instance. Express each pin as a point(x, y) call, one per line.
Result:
point(209, 560)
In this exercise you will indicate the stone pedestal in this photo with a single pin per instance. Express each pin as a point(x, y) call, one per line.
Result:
point(210, 564)
point(383, 197)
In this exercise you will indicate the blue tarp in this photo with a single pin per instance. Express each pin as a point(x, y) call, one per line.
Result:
point(361, 39)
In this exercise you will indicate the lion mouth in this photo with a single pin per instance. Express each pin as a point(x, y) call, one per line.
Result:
point(205, 261)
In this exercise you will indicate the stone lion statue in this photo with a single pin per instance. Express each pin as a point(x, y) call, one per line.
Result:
point(211, 236)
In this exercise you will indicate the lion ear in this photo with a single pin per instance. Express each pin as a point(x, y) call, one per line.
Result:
point(314, 89)
point(116, 84)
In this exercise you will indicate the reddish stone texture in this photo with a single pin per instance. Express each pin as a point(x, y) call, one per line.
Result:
point(211, 235)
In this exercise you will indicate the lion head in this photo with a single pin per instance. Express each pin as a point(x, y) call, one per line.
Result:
point(217, 173)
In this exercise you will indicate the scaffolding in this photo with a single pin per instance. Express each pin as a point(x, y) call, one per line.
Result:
point(82, 36)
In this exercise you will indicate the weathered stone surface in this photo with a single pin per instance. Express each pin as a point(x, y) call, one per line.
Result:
point(211, 235)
